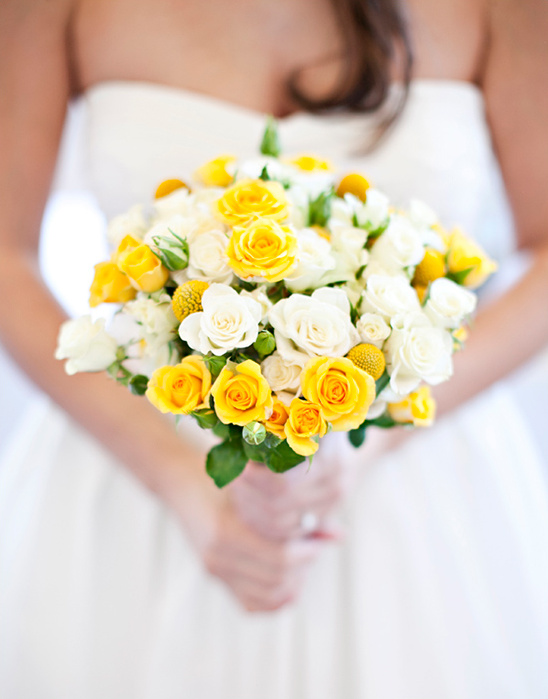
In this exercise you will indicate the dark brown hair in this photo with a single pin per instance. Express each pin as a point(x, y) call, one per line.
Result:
point(376, 40)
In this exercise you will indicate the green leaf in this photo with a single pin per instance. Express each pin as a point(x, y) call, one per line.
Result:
point(226, 461)
point(206, 418)
point(319, 209)
point(270, 144)
point(357, 436)
point(384, 421)
point(264, 174)
point(138, 384)
point(215, 364)
point(382, 383)
point(254, 452)
point(221, 430)
point(272, 440)
point(282, 458)
point(459, 277)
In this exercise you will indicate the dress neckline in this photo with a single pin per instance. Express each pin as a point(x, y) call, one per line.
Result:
point(204, 99)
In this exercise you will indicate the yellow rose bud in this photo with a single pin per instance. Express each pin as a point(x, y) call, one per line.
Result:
point(110, 285)
point(355, 184)
point(168, 186)
point(143, 268)
point(277, 419)
point(465, 254)
point(263, 249)
point(305, 422)
point(343, 390)
point(214, 173)
point(242, 394)
point(182, 388)
point(249, 199)
point(127, 244)
point(418, 409)
point(310, 163)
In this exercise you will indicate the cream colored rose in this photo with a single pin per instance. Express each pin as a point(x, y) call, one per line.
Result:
point(399, 246)
point(374, 212)
point(388, 296)
point(348, 249)
point(417, 351)
point(227, 322)
point(373, 329)
point(317, 325)
point(314, 259)
point(85, 345)
point(207, 259)
point(281, 374)
point(448, 303)
point(133, 223)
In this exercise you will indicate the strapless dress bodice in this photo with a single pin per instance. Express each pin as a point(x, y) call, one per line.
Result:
point(137, 134)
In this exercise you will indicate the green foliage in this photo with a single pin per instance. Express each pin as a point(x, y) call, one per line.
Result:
point(270, 144)
point(382, 383)
point(264, 174)
point(357, 436)
point(207, 419)
point(215, 364)
point(459, 277)
point(265, 343)
point(171, 251)
point(226, 461)
point(282, 458)
point(319, 209)
point(138, 384)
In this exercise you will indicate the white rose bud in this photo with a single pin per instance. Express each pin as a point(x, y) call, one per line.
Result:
point(389, 296)
point(228, 321)
point(375, 210)
point(85, 345)
point(373, 329)
point(448, 303)
point(281, 374)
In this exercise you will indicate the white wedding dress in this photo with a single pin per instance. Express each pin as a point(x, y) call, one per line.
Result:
point(440, 590)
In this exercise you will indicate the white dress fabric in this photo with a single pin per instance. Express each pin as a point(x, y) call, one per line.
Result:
point(440, 589)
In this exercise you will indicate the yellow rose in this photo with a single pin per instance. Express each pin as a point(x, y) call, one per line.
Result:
point(310, 163)
point(418, 409)
point(144, 269)
point(127, 244)
point(305, 422)
point(181, 388)
point(343, 390)
point(249, 199)
point(214, 173)
point(262, 248)
point(466, 254)
point(277, 419)
point(110, 285)
point(242, 394)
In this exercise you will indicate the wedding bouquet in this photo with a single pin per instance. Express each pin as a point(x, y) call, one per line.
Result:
point(273, 302)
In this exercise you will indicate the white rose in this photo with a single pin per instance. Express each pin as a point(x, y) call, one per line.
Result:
point(422, 215)
point(314, 259)
point(156, 318)
point(86, 345)
point(281, 374)
point(133, 223)
point(448, 303)
point(399, 246)
point(259, 295)
point(184, 203)
point(374, 212)
point(228, 321)
point(373, 329)
point(317, 325)
point(348, 249)
point(299, 203)
point(342, 212)
point(389, 296)
point(417, 351)
point(207, 259)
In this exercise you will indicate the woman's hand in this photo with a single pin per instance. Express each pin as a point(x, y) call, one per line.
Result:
point(301, 502)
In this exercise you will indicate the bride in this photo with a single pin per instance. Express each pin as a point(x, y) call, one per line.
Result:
point(414, 568)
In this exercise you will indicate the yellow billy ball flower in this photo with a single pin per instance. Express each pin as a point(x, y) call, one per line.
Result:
point(355, 184)
point(262, 248)
point(418, 408)
point(110, 285)
point(242, 394)
point(144, 269)
point(305, 422)
point(214, 173)
point(310, 163)
point(168, 186)
point(187, 298)
point(276, 422)
point(342, 390)
point(250, 199)
point(431, 267)
point(466, 257)
point(368, 358)
point(182, 388)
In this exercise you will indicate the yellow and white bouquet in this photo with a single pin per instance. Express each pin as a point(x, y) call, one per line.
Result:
point(273, 302)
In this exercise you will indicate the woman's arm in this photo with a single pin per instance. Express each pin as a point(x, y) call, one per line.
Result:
point(34, 90)
point(515, 85)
